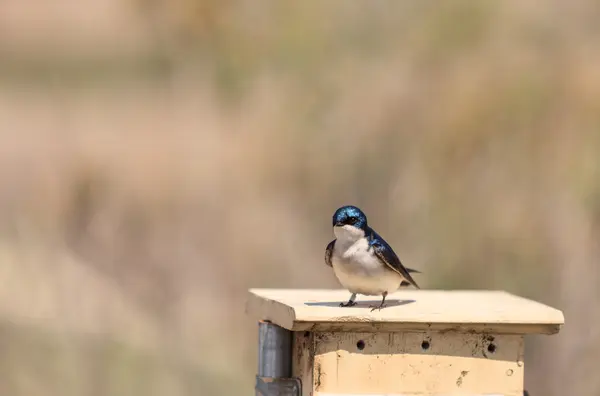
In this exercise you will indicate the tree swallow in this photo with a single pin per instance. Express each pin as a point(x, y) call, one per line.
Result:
point(362, 260)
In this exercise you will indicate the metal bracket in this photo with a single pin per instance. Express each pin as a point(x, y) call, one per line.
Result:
point(268, 386)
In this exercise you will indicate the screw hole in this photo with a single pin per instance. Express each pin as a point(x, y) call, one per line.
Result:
point(360, 345)
point(425, 345)
point(491, 348)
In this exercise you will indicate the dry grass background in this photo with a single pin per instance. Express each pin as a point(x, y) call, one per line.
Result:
point(154, 156)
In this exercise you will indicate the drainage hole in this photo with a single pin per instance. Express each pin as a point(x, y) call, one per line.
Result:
point(491, 348)
point(425, 345)
point(360, 345)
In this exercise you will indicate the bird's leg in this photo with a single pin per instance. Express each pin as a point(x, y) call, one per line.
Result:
point(380, 305)
point(350, 302)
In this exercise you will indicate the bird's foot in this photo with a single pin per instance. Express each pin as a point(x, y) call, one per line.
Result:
point(378, 307)
point(348, 304)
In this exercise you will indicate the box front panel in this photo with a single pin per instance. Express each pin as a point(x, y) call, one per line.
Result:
point(419, 363)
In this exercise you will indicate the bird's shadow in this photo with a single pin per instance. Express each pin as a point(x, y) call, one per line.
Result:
point(361, 304)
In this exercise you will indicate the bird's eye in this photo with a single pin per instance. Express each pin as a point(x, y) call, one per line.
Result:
point(352, 220)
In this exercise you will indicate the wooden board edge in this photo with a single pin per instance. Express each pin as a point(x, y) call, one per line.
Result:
point(262, 308)
point(365, 326)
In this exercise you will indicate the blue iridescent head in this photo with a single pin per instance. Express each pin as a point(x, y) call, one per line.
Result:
point(350, 215)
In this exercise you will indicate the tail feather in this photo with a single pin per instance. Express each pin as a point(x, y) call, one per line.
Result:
point(407, 283)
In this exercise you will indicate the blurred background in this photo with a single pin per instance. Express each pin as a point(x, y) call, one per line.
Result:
point(158, 158)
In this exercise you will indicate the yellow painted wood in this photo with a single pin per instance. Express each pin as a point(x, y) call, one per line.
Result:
point(426, 342)
point(396, 363)
point(303, 357)
point(408, 310)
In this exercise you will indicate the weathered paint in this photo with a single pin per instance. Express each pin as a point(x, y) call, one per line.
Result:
point(303, 357)
point(396, 363)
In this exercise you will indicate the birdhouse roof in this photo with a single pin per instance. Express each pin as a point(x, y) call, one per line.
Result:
point(409, 310)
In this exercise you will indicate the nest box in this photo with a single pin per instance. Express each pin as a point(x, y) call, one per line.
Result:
point(424, 342)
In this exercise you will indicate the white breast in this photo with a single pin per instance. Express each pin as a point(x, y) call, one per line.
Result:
point(358, 269)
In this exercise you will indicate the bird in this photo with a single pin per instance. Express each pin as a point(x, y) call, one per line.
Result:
point(362, 261)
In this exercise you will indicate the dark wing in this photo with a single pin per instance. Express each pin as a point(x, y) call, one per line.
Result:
point(386, 254)
point(410, 271)
point(329, 252)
